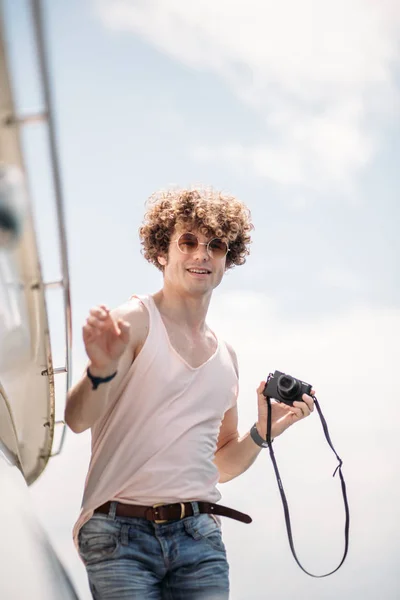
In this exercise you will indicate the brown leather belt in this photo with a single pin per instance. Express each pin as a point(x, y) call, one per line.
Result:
point(161, 513)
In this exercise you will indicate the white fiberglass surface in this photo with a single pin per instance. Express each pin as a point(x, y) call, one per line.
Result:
point(30, 567)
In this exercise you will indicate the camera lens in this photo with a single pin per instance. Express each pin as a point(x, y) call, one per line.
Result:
point(288, 387)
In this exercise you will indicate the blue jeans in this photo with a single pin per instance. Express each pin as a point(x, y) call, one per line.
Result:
point(129, 558)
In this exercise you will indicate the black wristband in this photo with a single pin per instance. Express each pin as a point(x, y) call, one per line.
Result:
point(257, 439)
point(96, 381)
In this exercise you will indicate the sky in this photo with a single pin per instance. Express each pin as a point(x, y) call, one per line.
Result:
point(294, 108)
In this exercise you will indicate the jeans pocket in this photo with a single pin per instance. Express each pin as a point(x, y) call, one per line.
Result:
point(96, 547)
point(205, 528)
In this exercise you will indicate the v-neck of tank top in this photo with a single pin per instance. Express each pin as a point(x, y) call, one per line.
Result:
point(175, 350)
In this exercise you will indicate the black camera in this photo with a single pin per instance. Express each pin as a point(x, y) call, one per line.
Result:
point(285, 388)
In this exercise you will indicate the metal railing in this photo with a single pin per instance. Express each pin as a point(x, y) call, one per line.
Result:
point(48, 116)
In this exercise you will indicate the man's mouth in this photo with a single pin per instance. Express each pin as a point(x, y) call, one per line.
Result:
point(199, 271)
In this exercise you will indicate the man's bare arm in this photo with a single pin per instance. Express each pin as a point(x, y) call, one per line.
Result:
point(234, 455)
point(112, 340)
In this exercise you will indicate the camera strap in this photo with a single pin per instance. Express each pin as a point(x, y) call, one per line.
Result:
point(283, 496)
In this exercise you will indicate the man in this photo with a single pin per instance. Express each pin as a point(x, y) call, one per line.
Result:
point(160, 397)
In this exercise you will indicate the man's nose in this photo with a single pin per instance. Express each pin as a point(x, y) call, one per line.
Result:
point(201, 252)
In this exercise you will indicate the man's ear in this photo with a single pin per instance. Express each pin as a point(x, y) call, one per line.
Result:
point(162, 260)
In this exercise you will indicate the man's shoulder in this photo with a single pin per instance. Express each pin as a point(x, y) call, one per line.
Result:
point(132, 310)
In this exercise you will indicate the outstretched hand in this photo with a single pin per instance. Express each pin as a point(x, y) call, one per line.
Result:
point(283, 416)
point(105, 339)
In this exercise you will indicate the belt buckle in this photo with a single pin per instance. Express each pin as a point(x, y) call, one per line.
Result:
point(159, 521)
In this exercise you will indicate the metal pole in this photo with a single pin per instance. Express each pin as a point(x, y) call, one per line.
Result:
point(38, 21)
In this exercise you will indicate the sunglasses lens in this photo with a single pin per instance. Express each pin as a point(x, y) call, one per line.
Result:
point(188, 243)
point(217, 248)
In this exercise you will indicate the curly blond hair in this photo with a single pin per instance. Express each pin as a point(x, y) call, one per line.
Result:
point(211, 212)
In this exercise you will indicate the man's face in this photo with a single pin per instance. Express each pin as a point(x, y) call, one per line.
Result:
point(194, 272)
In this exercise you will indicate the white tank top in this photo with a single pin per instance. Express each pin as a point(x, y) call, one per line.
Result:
point(156, 441)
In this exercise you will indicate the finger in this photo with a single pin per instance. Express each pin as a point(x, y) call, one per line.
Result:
point(297, 412)
point(308, 401)
point(303, 407)
point(104, 307)
point(90, 333)
point(95, 322)
point(261, 387)
point(98, 312)
point(125, 329)
point(281, 409)
point(114, 325)
point(89, 329)
point(108, 324)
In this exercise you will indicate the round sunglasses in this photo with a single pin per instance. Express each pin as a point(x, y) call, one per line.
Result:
point(188, 244)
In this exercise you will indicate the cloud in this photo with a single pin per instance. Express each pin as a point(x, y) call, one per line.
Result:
point(320, 75)
point(349, 358)
point(341, 278)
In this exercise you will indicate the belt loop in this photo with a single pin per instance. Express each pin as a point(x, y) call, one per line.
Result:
point(113, 510)
point(125, 534)
point(195, 507)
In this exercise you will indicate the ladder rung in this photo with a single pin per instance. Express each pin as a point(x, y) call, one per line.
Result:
point(56, 371)
point(27, 119)
point(54, 284)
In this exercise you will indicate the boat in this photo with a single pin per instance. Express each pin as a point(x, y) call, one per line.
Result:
point(30, 565)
